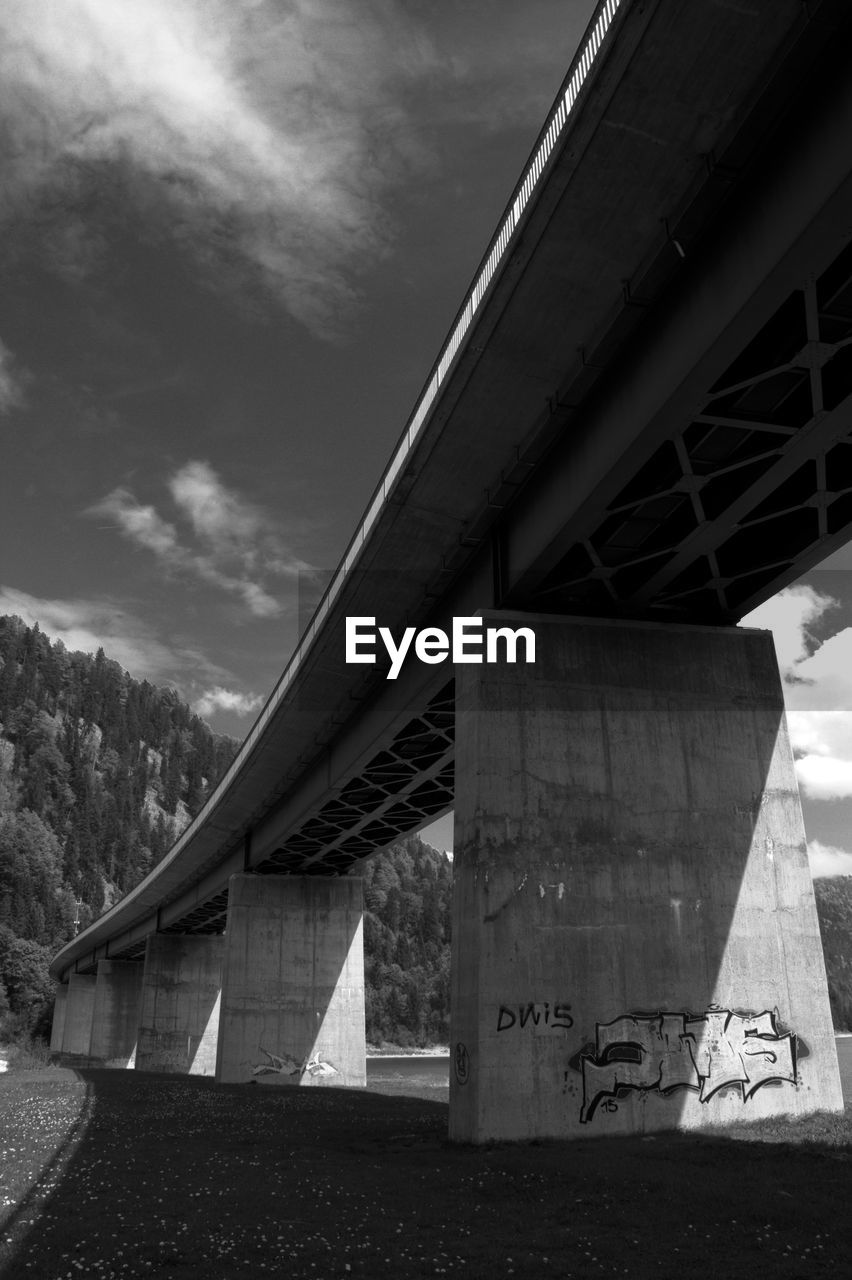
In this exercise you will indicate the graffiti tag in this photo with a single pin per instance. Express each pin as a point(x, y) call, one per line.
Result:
point(461, 1063)
point(667, 1051)
point(537, 1012)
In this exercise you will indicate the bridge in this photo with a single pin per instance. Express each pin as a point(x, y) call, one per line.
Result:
point(639, 428)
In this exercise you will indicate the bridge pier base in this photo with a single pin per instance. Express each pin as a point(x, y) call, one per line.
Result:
point(179, 1014)
point(79, 1012)
point(115, 1017)
point(635, 941)
point(293, 982)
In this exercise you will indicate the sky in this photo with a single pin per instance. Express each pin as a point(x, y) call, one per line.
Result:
point(233, 236)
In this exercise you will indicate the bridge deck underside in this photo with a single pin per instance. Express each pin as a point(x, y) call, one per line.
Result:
point(746, 489)
point(403, 788)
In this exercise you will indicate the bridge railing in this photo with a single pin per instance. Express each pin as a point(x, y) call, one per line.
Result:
point(596, 32)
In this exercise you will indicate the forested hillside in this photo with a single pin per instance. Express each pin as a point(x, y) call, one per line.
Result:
point(407, 944)
point(98, 774)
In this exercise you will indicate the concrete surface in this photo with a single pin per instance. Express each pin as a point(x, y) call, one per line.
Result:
point(79, 1010)
point(635, 941)
point(115, 1017)
point(57, 1027)
point(293, 982)
point(179, 1019)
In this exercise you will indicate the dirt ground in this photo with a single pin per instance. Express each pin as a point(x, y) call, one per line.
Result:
point(118, 1174)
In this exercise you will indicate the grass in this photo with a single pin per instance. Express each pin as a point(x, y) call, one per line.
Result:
point(114, 1174)
point(27, 1054)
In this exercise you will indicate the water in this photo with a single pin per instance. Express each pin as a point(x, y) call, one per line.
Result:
point(420, 1068)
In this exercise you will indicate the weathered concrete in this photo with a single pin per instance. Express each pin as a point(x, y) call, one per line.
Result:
point(293, 983)
point(79, 1011)
point(115, 1020)
point(58, 1025)
point(635, 942)
point(179, 1017)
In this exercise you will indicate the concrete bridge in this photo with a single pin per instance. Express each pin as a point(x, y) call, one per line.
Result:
point(639, 428)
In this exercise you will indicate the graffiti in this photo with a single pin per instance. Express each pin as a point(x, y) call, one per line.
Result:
point(277, 1065)
point(316, 1067)
point(286, 1065)
point(666, 1051)
point(461, 1063)
point(538, 1013)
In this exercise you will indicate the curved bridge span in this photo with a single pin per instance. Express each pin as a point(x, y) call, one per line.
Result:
point(639, 428)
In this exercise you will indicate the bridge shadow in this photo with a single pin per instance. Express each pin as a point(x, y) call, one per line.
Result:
point(174, 1175)
point(156, 1171)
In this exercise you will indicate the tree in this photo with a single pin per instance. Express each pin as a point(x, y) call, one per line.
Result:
point(35, 903)
point(25, 979)
point(834, 908)
point(406, 944)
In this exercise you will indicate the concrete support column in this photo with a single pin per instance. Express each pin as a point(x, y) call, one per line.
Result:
point(58, 1025)
point(293, 983)
point(179, 1014)
point(635, 941)
point(115, 1020)
point(79, 1011)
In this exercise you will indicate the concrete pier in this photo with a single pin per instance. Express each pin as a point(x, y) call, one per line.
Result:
point(58, 1025)
point(293, 982)
point(115, 1018)
point(179, 1015)
point(635, 941)
point(79, 1012)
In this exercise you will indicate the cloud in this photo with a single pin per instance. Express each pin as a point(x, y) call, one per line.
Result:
point(817, 688)
point(11, 381)
point(825, 777)
point(789, 615)
point(236, 544)
point(140, 524)
point(822, 745)
point(821, 733)
point(272, 131)
point(216, 514)
point(262, 135)
point(219, 699)
point(88, 625)
point(227, 524)
point(826, 860)
point(823, 679)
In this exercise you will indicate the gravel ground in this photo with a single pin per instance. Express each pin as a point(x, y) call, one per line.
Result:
point(119, 1174)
